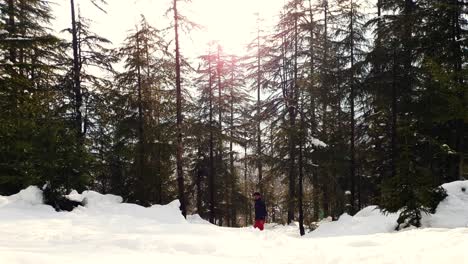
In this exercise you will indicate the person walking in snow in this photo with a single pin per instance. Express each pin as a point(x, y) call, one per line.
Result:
point(260, 211)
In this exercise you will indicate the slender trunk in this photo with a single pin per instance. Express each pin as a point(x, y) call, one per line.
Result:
point(21, 32)
point(458, 69)
point(247, 205)
point(199, 195)
point(159, 179)
point(313, 127)
point(353, 125)
point(220, 103)
point(180, 148)
point(12, 29)
point(286, 96)
point(292, 109)
point(141, 152)
point(316, 195)
point(220, 132)
point(159, 149)
point(312, 71)
point(379, 8)
point(325, 88)
point(326, 194)
point(394, 116)
point(231, 151)
point(301, 170)
point(212, 171)
point(76, 75)
point(259, 129)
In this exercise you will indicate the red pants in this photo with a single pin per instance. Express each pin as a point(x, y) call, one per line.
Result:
point(259, 224)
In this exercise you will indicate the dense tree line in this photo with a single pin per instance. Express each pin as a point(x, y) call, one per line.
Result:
point(341, 105)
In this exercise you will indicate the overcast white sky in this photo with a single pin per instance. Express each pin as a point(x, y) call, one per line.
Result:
point(232, 22)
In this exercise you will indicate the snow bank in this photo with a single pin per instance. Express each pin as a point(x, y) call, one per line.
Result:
point(452, 212)
point(107, 231)
point(108, 204)
point(367, 221)
point(28, 197)
point(196, 219)
point(92, 198)
point(30, 201)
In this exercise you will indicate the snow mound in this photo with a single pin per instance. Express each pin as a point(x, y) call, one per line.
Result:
point(196, 219)
point(92, 198)
point(29, 203)
point(28, 197)
point(367, 221)
point(108, 204)
point(452, 212)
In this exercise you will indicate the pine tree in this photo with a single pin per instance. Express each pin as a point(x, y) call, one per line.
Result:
point(179, 149)
point(206, 119)
point(410, 187)
point(351, 41)
point(147, 111)
point(37, 145)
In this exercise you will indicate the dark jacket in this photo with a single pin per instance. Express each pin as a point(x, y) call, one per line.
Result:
point(260, 210)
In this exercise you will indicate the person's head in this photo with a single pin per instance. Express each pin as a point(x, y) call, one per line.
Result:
point(257, 195)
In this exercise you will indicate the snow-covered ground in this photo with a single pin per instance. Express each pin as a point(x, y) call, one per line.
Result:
point(451, 213)
point(108, 231)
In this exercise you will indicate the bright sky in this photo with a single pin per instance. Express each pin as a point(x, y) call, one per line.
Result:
point(232, 22)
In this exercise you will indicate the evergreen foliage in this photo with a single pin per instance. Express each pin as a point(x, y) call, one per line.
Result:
point(333, 109)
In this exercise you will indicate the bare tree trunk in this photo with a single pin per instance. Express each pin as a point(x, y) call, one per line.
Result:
point(247, 206)
point(259, 129)
point(292, 109)
point(301, 171)
point(458, 69)
point(199, 196)
point(220, 102)
point(353, 125)
point(313, 127)
point(76, 75)
point(292, 168)
point(394, 116)
point(220, 118)
point(212, 170)
point(12, 29)
point(231, 210)
point(141, 152)
point(180, 147)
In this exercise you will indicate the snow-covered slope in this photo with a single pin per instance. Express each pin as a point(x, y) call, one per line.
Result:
point(109, 231)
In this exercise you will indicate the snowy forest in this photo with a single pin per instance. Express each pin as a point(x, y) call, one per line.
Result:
point(343, 104)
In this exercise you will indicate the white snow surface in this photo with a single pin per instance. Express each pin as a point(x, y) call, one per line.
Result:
point(451, 213)
point(367, 221)
point(318, 143)
point(106, 230)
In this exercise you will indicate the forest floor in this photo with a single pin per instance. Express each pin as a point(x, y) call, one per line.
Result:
point(108, 231)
